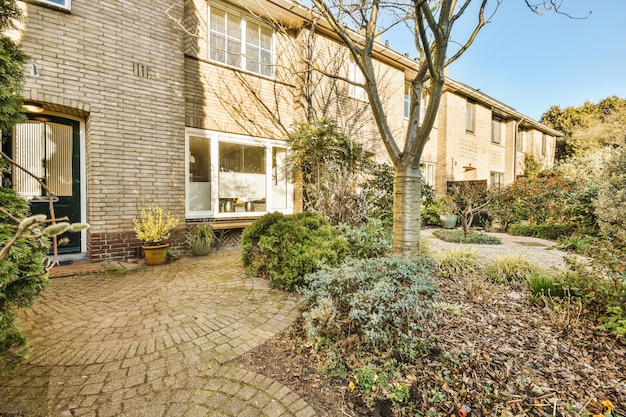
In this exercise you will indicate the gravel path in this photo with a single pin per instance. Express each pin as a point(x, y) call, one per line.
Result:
point(540, 251)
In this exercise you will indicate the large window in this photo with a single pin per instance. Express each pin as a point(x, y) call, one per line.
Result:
point(470, 116)
point(235, 175)
point(496, 130)
point(240, 41)
point(356, 76)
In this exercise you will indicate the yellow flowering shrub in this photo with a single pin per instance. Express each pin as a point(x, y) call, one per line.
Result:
point(153, 226)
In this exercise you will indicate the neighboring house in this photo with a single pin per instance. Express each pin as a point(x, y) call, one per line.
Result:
point(188, 104)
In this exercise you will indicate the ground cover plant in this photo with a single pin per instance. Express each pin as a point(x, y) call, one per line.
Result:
point(459, 236)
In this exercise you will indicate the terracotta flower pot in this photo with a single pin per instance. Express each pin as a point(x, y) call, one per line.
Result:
point(155, 255)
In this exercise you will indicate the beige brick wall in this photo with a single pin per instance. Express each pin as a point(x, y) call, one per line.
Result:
point(89, 61)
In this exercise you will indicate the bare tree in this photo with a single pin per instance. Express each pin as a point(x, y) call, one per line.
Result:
point(358, 24)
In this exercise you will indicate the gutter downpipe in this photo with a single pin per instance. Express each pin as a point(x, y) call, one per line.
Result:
point(517, 138)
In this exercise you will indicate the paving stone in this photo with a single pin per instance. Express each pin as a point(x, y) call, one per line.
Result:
point(147, 343)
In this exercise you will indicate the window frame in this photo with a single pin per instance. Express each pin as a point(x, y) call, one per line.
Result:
point(500, 178)
point(356, 75)
point(496, 130)
point(264, 69)
point(214, 139)
point(407, 100)
point(470, 116)
point(521, 139)
point(428, 172)
point(66, 6)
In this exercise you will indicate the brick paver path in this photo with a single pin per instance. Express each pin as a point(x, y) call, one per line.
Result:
point(154, 342)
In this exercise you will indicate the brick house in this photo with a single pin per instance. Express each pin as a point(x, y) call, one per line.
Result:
point(187, 104)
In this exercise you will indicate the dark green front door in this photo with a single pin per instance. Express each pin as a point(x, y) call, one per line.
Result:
point(49, 147)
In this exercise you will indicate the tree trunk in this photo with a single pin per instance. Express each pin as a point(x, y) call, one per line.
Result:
point(407, 192)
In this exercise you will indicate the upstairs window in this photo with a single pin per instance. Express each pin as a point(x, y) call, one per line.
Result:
point(58, 4)
point(356, 76)
point(407, 100)
point(496, 130)
point(470, 116)
point(521, 140)
point(240, 41)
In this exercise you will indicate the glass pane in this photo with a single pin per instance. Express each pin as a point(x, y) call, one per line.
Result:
point(234, 53)
point(199, 174)
point(59, 158)
point(29, 153)
point(242, 177)
point(266, 38)
point(252, 34)
point(234, 26)
point(218, 46)
point(252, 59)
point(218, 20)
point(279, 178)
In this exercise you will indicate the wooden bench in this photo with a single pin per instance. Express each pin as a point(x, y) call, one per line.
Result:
point(222, 227)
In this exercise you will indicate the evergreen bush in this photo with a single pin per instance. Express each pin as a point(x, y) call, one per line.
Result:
point(286, 248)
point(22, 276)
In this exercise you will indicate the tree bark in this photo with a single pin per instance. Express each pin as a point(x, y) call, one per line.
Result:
point(407, 193)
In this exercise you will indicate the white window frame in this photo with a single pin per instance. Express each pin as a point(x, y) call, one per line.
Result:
point(61, 4)
point(243, 41)
point(215, 138)
point(493, 175)
point(355, 75)
point(428, 172)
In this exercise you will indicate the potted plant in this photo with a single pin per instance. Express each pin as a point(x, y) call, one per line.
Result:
point(153, 227)
point(200, 239)
point(447, 212)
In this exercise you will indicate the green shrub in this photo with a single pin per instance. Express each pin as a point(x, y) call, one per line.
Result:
point(548, 231)
point(369, 240)
point(458, 261)
point(519, 229)
point(22, 277)
point(386, 302)
point(286, 248)
point(511, 268)
point(553, 231)
point(600, 282)
point(458, 236)
point(544, 284)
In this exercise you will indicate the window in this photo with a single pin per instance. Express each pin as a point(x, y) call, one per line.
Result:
point(61, 4)
point(428, 173)
point(496, 130)
point(470, 116)
point(235, 174)
point(544, 144)
point(496, 178)
point(356, 76)
point(521, 140)
point(407, 100)
point(240, 41)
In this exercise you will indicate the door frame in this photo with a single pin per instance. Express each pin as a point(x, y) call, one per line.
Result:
point(83, 183)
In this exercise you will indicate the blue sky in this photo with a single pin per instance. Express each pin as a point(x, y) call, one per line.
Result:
point(531, 62)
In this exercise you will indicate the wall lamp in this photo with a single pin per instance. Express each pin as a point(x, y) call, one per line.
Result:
point(32, 107)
